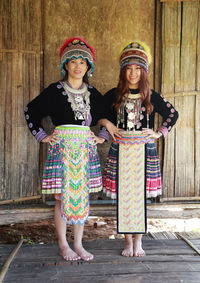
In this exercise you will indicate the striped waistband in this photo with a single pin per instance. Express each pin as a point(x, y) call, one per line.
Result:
point(133, 138)
point(73, 127)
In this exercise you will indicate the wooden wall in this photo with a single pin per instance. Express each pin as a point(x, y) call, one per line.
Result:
point(20, 81)
point(106, 24)
point(181, 86)
point(31, 34)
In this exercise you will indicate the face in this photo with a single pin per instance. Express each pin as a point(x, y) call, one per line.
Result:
point(133, 74)
point(76, 68)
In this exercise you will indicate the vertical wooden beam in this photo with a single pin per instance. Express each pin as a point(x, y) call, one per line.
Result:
point(157, 69)
point(197, 147)
point(197, 112)
point(169, 23)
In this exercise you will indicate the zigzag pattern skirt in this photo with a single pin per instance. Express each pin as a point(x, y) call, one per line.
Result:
point(72, 169)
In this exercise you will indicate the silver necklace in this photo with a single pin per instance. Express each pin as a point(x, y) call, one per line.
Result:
point(76, 98)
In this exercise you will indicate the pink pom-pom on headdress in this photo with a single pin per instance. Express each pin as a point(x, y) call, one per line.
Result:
point(69, 40)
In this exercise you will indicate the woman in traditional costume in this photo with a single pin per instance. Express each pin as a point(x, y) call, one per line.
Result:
point(72, 169)
point(132, 171)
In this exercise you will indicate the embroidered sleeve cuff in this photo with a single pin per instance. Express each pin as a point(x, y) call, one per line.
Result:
point(103, 133)
point(163, 130)
point(41, 135)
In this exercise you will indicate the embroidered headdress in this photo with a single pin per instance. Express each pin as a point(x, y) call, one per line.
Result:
point(135, 53)
point(76, 47)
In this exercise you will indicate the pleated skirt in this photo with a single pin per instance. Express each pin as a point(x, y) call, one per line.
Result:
point(153, 181)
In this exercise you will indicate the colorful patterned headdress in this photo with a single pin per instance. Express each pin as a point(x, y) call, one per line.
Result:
point(135, 53)
point(76, 47)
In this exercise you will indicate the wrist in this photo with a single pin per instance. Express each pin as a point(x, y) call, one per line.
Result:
point(102, 122)
point(106, 123)
point(44, 139)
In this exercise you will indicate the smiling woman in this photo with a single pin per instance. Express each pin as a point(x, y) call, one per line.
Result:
point(76, 69)
point(133, 74)
point(72, 169)
point(132, 170)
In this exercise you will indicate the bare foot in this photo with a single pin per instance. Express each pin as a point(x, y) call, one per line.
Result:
point(68, 254)
point(84, 255)
point(128, 251)
point(138, 250)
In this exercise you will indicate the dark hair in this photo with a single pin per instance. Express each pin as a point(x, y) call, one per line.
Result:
point(85, 77)
point(123, 88)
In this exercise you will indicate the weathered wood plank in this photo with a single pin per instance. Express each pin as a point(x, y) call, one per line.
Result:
point(169, 24)
point(185, 214)
point(197, 146)
point(115, 245)
point(157, 73)
point(107, 269)
point(181, 94)
point(32, 146)
point(184, 158)
point(157, 47)
point(198, 54)
point(2, 131)
point(7, 58)
point(10, 259)
point(188, 46)
point(1, 24)
point(169, 33)
point(107, 266)
point(16, 117)
point(196, 243)
point(21, 22)
point(144, 278)
point(177, 49)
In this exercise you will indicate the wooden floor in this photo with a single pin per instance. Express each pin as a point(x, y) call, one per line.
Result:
point(166, 261)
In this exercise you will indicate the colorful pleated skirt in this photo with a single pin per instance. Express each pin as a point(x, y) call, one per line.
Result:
point(131, 173)
point(72, 169)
